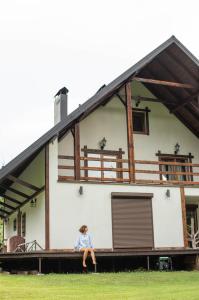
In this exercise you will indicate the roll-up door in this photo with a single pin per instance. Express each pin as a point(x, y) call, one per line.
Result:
point(132, 221)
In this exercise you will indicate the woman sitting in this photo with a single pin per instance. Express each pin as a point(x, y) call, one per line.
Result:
point(84, 244)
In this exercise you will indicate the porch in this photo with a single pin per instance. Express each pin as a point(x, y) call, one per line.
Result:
point(61, 261)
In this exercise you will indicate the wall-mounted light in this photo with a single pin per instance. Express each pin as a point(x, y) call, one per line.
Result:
point(176, 148)
point(6, 220)
point(33, 202)
point(102, 143)
point(81, 190)
point(168, 193)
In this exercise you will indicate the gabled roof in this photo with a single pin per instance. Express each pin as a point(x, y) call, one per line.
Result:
point(170, 60)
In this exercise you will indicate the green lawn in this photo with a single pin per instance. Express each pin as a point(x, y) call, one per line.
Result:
point(135, 285)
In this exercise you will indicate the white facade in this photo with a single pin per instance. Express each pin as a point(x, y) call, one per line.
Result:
point(69, 210)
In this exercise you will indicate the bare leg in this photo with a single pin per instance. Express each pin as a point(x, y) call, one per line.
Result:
point(93, 256)
point(85, 257)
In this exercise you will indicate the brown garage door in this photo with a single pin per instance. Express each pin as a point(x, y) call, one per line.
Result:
point(132, 222)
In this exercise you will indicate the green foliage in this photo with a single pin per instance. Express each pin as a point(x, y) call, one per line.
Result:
point(132, 285)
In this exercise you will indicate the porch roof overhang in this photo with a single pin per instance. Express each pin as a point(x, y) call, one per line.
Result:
point(171, 61)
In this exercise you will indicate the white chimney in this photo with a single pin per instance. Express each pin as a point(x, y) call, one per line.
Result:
point(61, 105)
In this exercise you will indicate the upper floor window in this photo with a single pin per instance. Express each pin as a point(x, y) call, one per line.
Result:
point(141, 121)
point(176, 169)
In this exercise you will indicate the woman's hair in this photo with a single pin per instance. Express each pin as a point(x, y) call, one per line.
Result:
point(82, 228)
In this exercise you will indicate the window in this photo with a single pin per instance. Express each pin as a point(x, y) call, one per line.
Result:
point(14, 224)
point(177, 169)
point(23, 225)
point(141, 121)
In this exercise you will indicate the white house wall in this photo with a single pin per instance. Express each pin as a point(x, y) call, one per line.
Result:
point(71, 210)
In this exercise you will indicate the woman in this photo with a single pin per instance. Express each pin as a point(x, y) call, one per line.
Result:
point(84, 244)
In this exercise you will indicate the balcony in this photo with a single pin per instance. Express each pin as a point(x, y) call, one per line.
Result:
point(111, 168)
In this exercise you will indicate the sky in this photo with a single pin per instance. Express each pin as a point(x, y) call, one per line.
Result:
point(48, 44)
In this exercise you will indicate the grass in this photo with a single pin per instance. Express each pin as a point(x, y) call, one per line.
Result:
point(134, 285)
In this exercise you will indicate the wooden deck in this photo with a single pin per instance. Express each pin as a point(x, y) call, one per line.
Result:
point(69, 254)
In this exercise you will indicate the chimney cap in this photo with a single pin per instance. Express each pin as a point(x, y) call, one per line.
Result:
point(62, 91)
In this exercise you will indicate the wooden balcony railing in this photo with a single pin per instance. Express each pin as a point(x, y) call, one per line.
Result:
point(103, 169)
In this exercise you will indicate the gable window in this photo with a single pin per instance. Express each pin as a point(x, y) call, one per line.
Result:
point(141, 121)
point(176, 171)
point(14, 224)
point(23, 225)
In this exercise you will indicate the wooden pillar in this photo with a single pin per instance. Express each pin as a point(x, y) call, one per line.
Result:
point(47, 195)
point(85, 161)
point(77, 152)
point(184, 217)
point(19, 223)
point(40, 265)
point(129, 118)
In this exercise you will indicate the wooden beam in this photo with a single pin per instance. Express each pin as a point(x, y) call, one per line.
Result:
point(149, 99)
point(4, 211)
point(184, 218)
point(77, 151)
point(121, 99)
point(10, 199)
point(130, 141)
point(162, 82)
point(34, 195)
point(24, 183)
point(47, 200)
point(6, 205)
point(185, 102)
point(14, 191)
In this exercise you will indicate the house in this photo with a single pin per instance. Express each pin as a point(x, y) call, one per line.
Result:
point(126, 163)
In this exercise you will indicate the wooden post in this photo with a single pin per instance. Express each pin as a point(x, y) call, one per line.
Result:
point(77, 152)
point(85, 161)
point(129, 118)
point(47, 221)
point(40, 266)
point(19, 223)
point(184, 218)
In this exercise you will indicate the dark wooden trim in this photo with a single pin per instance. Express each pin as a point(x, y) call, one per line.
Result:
point(7, 205)
point(77, 151)
point(19, 223)
point(184, 217)
point(131, 195)
point(130, 141)
point(121, 99)
point(149, 99)
point(24, 183)
point(10, 199)
point(4, 211)
point(28, 199)
point(66, 157)
point(119, 164)
point(185, 102)
point(99, 151)
point(85, 150)
point(174, 155)
point(162, 82)
point(14, 191)
point(47, 199)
